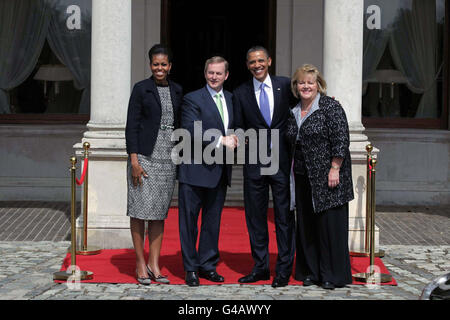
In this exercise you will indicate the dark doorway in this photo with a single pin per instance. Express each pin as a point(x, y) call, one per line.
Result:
point(198, 30)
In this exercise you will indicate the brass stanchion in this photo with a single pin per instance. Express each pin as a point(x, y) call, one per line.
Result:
point(73, 272)
point(372, 276)
point(369, 149)
point(86, 250)
point(367, 233)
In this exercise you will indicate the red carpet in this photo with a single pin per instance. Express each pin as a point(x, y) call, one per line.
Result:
point(118, 266)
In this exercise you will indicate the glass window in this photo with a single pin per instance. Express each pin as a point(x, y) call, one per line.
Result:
point(403, 60)
point(45, 58)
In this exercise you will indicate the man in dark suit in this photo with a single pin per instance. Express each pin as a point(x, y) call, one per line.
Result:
point(203, 185)
point(264, 103)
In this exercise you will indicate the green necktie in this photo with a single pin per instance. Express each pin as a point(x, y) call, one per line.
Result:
point(219, 104)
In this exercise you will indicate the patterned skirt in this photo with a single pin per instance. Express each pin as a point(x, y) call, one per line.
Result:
point(151, 201)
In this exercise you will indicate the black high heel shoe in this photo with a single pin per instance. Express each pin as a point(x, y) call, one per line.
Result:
point(160, 278)
point(144, 281)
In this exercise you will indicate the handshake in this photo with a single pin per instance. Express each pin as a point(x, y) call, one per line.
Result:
point(231, 141)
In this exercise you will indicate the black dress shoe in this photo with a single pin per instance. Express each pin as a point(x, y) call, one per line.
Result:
point(211, 276)
point(280, 281)
point(328, 285)
point(254, 277)
point(308, 282)
point(192, 279)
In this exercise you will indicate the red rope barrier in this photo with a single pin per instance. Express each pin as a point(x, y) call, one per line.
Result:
point(80, 182)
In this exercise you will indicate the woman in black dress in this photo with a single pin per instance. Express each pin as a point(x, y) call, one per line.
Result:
point(319, 136)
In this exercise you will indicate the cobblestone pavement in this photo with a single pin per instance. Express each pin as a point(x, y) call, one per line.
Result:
point(26, 270)
point(33, 243)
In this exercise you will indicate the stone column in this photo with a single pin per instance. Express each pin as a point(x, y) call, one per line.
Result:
point(343, 59)
point(110, 91)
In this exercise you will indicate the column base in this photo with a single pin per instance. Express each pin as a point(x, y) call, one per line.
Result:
point(106, 238)
point(357, 235)
point(357, 207)
point(107, 223)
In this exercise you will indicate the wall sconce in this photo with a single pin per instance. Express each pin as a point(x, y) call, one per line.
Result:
point(55, 73)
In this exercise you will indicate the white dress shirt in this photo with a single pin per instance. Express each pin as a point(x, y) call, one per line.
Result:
point(225, 110)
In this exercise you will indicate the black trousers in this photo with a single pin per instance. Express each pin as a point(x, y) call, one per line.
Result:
point(321, 239)
point(256, 199)
point(210, 201)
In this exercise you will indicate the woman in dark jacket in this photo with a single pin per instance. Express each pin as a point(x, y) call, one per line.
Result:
point(153, 114)
point(319, 136)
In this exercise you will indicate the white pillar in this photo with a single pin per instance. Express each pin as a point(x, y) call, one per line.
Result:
point(343, 59)
point(343, 52)
point(110, 91)
point(110, 64)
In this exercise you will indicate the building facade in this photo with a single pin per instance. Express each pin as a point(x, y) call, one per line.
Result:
point(385, 61)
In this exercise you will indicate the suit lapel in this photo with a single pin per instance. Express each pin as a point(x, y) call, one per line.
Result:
point(276, 98)
point(151, 88)
point(253, 103)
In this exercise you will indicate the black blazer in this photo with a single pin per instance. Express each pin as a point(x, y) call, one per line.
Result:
point(144, 115)
point(324, 135)
point(248, 116)
point(200, 106)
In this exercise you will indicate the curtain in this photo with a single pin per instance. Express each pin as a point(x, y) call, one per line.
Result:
point(23, 28)
point(73, 47)
point(413, 45)
point(375, 43)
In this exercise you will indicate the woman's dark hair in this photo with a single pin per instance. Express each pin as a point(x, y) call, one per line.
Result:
point(159, 49)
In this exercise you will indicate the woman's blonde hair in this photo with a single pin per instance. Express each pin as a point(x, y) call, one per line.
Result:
point(304, 70)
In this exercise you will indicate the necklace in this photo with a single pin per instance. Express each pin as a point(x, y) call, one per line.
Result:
point(308, 105)
point(305, 112)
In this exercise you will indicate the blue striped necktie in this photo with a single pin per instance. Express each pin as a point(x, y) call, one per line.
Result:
point(264, 105)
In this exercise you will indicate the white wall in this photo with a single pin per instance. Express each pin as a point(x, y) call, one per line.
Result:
point(146, 30)
point(299, 35)
point(34, 162)
point(413, 166)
